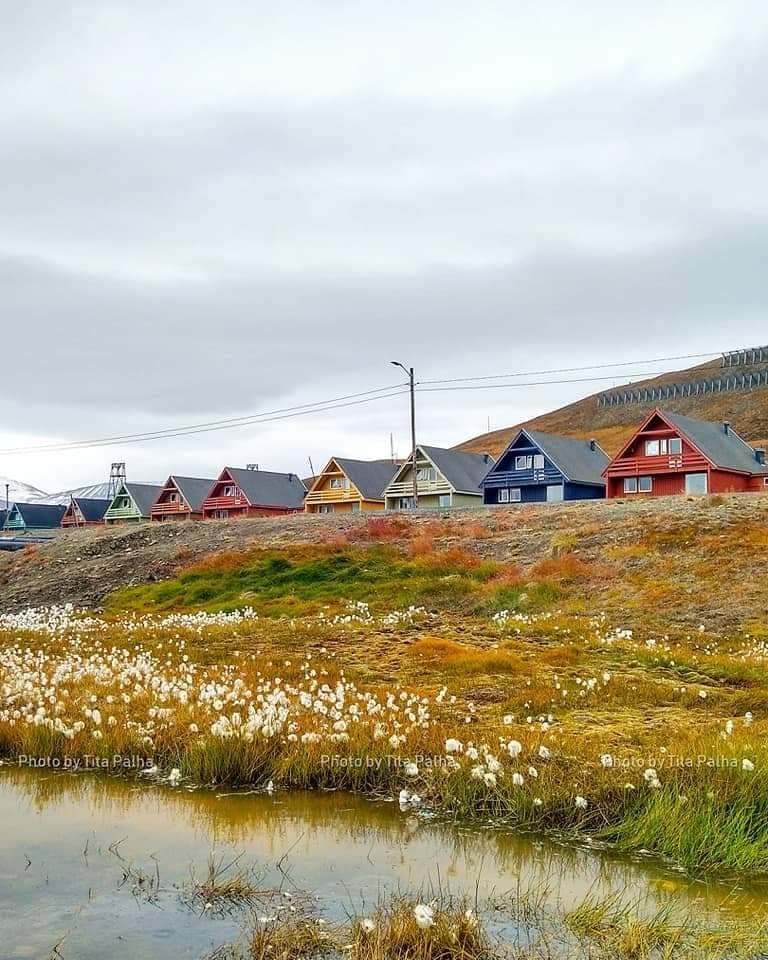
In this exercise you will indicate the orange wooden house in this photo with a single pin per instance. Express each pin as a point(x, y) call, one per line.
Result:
point(181, 498)
point(252, 492)
point(346, 486)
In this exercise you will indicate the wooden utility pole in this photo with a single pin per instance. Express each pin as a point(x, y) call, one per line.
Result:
point(412, 385)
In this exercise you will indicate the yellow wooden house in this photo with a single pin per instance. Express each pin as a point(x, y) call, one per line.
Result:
point(347, 486)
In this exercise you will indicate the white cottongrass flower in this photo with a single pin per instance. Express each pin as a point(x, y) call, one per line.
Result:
point(411, 770)
point(544, 753)
point(489, 779)
point(748, 718)
point(747, 765)
point(580, 803)
point(538, 802)
point(650, 774)
point(174, 776)
point(514, 748)
point(517, 779)
point(606, 760)
point(425, 916)
point(452, 745)
point(702, 694)
point(367, 925)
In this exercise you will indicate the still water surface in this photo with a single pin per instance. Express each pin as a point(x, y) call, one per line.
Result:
point(60, 881)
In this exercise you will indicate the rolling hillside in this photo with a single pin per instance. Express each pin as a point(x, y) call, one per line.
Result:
point(612, 426)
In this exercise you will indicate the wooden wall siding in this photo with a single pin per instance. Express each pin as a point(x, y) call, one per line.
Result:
point(426, 488)
point(344, 499)
point(123, 510)
point(673, 484)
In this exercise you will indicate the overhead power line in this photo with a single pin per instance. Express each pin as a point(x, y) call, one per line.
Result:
point(591, 366)
point(285, 414)
point(355, 399)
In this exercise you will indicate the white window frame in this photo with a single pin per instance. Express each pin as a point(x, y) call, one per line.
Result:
point(405, 503)
point(504, 495)
point(444, 496)
point(426, 474)
point(630, 484)
point(655, 452)
point(527, 461)
point(641, 481)
point(339, 483)
point(678, 441)
point(765, 481)
point(538, 461)
point(229, 491)
point(696, 493)
point(325, 508)
point(515, 495)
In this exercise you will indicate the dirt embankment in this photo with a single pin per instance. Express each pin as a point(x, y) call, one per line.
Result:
point(709, 549)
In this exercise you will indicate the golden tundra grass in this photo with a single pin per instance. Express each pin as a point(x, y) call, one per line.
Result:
point(545, 722)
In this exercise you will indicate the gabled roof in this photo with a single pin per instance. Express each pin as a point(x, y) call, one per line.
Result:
point(575, 459)
point(268, 489)
point(726, 450)
point(92, 508)
point(463, 471)
point(142, 494)
point(193, 489)
point(39, 514)
point(369, 476)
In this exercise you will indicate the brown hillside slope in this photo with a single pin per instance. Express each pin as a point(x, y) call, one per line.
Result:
point(612, 426)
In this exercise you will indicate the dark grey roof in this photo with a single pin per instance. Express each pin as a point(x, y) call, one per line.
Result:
point(40, 515)
point(263, 488)
point(723, 449)
point(464, 471)
point(92, 508)
point(369, 476)
point(143, 495)
point(194, 490)
point(573, 458)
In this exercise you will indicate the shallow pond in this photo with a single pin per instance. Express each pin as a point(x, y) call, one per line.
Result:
point(80, 857)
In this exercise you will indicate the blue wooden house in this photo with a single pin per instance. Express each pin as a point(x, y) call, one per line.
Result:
point(540, 467)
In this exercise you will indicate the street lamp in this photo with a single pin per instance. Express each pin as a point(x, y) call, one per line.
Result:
point(412, 384)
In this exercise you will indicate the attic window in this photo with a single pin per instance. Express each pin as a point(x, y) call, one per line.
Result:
point(675, 445)
point(538, 462)
point(426, 473)
point(229, 492)
point(523, 463)
point(338, 483)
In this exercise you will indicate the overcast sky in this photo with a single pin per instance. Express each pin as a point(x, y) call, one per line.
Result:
point(209, 210)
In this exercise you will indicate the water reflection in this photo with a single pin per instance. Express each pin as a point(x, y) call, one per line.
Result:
point(343, 849)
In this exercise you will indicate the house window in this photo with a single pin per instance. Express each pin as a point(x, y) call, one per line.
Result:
point(173, 498)
point(503, 496)
point(404, 503)
point(325, 508)
point(355, 506)
point(675, 446)
point(426, 473)
point(229, 491)
point(523, 463)
point(510, 495)
point(538, 462)
point(444, 500)
point(220, 514)
point(338, 483)
point(638, 484)
point(653, 448)
point(695, 483)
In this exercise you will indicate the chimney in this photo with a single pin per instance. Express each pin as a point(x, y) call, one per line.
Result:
point(760, 455)
point(251, 466)
point(593, 444)
point(726, 426)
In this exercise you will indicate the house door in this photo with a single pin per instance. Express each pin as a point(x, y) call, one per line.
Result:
point(554, 492)
point(695, 483)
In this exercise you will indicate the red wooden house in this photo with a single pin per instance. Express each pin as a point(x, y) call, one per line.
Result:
point(181, 498)
point(85, 512)
point(253, 493)
point(671, 454)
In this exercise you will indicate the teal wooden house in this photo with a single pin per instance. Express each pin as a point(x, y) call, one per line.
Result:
point(29, 517)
